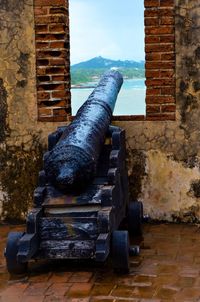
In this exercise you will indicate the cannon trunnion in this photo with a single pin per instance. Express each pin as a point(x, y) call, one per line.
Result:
point(82, 196)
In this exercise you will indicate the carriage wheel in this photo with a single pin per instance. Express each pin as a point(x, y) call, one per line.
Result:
point(135, 216)
point(13, 266)
point(120, 251)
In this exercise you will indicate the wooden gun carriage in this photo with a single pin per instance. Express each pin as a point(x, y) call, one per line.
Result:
point(76, 216)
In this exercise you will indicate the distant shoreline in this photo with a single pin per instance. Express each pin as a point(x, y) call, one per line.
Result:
point(92, 86)
point(82, 87)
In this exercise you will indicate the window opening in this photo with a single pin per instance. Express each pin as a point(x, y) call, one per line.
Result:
point(103, 35)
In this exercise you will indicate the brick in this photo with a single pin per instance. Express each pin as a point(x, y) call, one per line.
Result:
point(54, 28)
point(44, 78)
point(168, 56)
point(152, 39)
point(50, 19)
point(151, 13)
point(49, 87)
point(55, 70)
point(44, 111)
point(167, 21)
point(152, 73)
point(40, 11)
point(151, 21)
point(51, 54)
point(160, 30)
point(153, 56)
point(42, 62)
point(153, 91)
point(167, 12)
point(159, 65)
point(167, 3)
point(42, 45)
point(53, 103)
point(151, 3)
point(152, 109)
point(159, 47)
point(58, 10)
point(168, 90)
point(167, 39)
point(160, 82)
point(58, 94)
point(168, 108)
point(167, 73)
point(159, 99)
point(57, 45)
point(41, 28)
point(50, 3)
point(49, 37)
point(61, 78)
point(159, 12)
point(43, 95)
point(57, 62)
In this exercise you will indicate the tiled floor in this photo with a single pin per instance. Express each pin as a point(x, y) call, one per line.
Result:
point(168, 269)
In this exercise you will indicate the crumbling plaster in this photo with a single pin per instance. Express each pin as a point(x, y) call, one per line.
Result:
point(163, 157)
point(22, 137)
point(170, 184)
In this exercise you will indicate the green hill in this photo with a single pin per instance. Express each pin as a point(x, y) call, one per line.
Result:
point(91, 70)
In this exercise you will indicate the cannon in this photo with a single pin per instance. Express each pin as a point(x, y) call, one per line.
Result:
point(82, 198)
point(72, 163)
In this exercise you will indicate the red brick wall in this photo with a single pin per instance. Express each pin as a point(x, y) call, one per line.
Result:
point(53, 67)
point(160, 59)
point(52, 59)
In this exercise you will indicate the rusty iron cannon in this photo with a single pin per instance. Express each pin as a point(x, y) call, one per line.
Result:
point(82, 198)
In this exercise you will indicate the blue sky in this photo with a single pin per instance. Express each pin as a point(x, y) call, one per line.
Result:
point(110, 28)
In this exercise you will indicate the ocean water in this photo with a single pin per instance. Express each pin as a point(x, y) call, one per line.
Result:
point(130, 101)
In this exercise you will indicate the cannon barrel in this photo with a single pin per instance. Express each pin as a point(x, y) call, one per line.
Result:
point(72, 163)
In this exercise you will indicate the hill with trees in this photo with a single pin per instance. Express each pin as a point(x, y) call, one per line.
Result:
point(91, 70)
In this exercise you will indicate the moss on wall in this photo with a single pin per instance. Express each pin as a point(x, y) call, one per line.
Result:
point(19, 173)
point(136, 171)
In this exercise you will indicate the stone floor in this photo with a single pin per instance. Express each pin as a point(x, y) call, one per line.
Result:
point(168, 269)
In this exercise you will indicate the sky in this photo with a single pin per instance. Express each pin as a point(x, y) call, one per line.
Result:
point(113, 29)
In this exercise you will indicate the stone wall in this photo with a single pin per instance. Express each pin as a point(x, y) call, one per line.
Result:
point(22, 137)
point(163, 156)
point(167, 154)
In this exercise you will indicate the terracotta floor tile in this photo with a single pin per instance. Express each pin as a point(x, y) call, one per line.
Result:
point(80, 290)
point(167, 270)
point(81, 277)
point(36, 289)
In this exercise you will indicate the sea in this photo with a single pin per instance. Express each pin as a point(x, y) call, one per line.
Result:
point(130, 101)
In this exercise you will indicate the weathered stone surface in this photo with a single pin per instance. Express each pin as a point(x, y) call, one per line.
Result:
point(170, 151)
point(163, 157)
point(21, 137)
